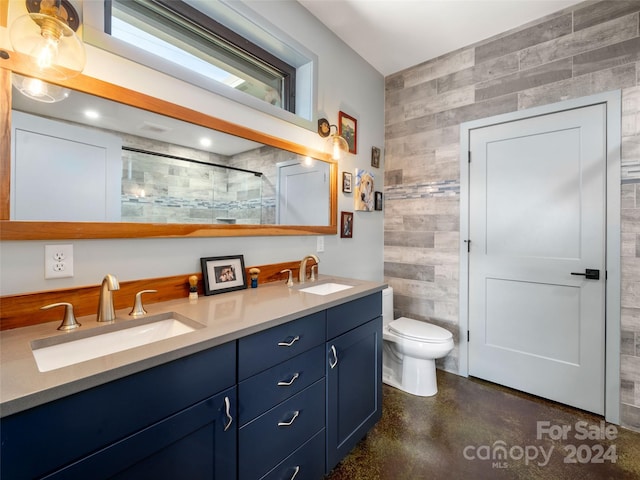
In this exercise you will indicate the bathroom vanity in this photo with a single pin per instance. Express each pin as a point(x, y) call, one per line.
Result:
point(277, 384)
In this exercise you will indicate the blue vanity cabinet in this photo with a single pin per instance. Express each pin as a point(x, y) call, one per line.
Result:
point(281, 401)
point(159, 414)
point(287, 402)
point(354, 374)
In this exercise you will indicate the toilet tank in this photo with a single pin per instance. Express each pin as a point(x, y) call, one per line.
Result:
point(387, 305)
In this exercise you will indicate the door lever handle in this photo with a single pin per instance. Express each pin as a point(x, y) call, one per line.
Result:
point(589, 273)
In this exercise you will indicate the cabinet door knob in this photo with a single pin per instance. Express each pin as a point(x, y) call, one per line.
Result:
point(288, 344)
point(290, 382)
point(334, 362)
point(227, 408)
point(290, 422)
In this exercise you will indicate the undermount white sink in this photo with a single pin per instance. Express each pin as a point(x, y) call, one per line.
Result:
point(326, 288)
point(64, 350)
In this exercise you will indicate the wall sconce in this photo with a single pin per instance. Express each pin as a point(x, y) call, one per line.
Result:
point(47, 35)
point(335, 143)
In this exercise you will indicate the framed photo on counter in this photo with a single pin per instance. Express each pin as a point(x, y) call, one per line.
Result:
point(223, 274)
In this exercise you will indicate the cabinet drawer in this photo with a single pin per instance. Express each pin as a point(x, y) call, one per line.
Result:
point(264, 390)
point(306, 463)
point(262, 350)
point(350, 315)
point(271, 437)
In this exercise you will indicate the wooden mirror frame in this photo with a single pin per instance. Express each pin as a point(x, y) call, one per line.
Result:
point(30, 230)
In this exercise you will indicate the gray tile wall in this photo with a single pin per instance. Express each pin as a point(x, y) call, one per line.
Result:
point(590, 48)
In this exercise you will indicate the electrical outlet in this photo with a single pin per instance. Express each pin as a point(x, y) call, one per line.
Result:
point(320, 244)
point(58, 261)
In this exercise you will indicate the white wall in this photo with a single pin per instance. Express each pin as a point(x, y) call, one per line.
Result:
point(346, 82)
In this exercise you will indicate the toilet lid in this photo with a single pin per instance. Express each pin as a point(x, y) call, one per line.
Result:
point(415, 329)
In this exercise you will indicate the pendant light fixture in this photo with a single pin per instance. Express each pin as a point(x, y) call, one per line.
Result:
point(335, 143)
point(47, 36)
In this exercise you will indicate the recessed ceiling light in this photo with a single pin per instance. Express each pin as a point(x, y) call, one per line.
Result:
point(92, 114)
point(205, 142)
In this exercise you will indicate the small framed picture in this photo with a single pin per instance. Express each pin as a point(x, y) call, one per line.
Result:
point(346, 224)
point(375, 157)
point(348, 129)
point(346, 182)
point(223, 274)
point(378, 201)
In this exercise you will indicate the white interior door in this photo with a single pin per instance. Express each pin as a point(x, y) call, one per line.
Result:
point(303, 194)
point(74, 172)
point(537, 203)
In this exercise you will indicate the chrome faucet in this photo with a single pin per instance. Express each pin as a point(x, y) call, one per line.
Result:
point(106, 312)
point(302, 275)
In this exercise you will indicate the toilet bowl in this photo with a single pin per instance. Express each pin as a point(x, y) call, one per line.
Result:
point(411, 348)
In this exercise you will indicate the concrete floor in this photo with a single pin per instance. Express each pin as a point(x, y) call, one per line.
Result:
point(477, 430)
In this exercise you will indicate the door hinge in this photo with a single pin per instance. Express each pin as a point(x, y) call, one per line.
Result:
point(469, 156)
point(468, 242)
point(468, 336)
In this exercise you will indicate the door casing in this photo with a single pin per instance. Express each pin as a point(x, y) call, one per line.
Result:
point(613, 103)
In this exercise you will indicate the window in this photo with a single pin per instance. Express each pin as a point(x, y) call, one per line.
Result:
point(183, 39)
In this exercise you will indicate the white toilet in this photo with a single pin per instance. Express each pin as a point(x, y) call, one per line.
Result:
point(410, 350)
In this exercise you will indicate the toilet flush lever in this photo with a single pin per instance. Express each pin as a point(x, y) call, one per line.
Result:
point(589, 273)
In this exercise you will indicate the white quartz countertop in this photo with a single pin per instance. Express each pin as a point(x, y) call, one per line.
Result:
point(224, 317)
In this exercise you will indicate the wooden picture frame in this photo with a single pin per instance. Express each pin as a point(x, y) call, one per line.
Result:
point(378, 201)
point(348, 129)
point(375, 157)
point(347, 182)
point(223, 274)
point(346, 224)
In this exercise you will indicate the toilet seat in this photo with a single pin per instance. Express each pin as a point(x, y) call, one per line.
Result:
point(412, 329)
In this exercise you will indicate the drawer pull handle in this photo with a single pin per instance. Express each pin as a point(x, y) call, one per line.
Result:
point(290, 422)
point(288, 344)
point(295, 474)
point(227, 407)
point(334, 362)
point(290, 382)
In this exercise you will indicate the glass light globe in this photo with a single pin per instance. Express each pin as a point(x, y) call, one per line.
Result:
point(39, 90)
point(54, 48)
point(337, 145)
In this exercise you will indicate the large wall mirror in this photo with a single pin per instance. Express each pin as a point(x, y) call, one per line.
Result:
point(139, 169)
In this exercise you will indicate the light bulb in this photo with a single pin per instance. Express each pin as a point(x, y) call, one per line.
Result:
point(336, 149)
point(46, 50)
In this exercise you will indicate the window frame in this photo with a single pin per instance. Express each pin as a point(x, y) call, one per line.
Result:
point(299, 58)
